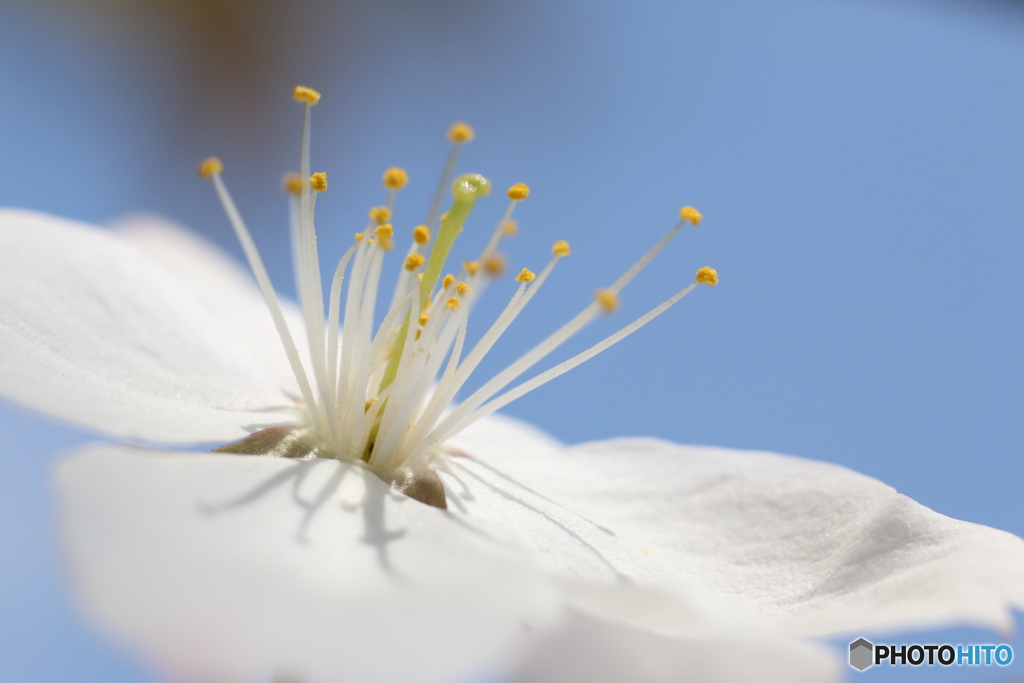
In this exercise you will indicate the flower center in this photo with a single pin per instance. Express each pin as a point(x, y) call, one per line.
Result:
point(379, 396)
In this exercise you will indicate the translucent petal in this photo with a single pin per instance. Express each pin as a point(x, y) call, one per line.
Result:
point(95, 332)
point(802, 546)
point(223, 286)
point(600, 652)
point(226, 568)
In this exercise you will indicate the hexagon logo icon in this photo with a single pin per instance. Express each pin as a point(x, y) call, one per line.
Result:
point(862, 654)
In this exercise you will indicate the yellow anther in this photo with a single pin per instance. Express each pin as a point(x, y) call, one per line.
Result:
point(460, 133)
point(462, 289)
point(369, 403)
point(526, 275)
point(380, 215)
point(707, 276)
point(414, 261)
point(511, 228)
point(519, 192)
point(305, 95)
point(472, 267)
point(384, 231)
point(444, 216)
point(419, 333)
point(421, 234)
point(561, 248)
point(292, 183)
point(318, 182)
point(359, 236)
point(452, 304)
point(607, 300)
point(447, 281)
point(426, 304)
point(688, 213)
point(424, 317)
point(395, 178)
point(210, 167)
point(495, 265)
point(420, 277)
point(387, 244)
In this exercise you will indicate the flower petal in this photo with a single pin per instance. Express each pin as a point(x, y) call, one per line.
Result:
point(95, 332)
point(225, 568)
point(501, 438)
point(600, 652)
point(809, 547)
point(202, 266)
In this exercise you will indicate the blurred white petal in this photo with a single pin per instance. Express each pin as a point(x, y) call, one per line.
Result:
point(96, 333)
point(223, 287)
point(804, 546)
point(225, 568)
point(503, 438)
point(600, 652)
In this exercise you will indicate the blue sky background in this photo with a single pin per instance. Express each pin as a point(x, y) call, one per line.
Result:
point(859, 164)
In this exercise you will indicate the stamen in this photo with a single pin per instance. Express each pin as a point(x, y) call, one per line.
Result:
point(460, 133)
point(210, 167)
point(305, 95)
point(378, 401)
point(518, 192)
point(292, 184)
point(395, 178)
point(708, 276)
point(310, 284)
point(380, 214)
point(564, 367)
point(607, 300)
point(495, 265)
point(333, 318)
point(318, 182)
point(525, 275)
point(465, 190)
point(213, 166)
point(446, 390)
point(688, 213)
point(556, 339)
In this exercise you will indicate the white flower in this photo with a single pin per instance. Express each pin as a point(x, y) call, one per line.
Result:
point(626, 560)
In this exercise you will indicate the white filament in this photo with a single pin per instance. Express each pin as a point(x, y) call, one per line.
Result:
point(387, 427)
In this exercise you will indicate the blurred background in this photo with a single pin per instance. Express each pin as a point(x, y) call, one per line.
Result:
point(858, 163)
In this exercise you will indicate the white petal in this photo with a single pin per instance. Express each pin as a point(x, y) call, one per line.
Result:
point(224, 286)
point(95, 332)
point(501, 438)
point(224, 568)
point(599, 652)
point(807, 546)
